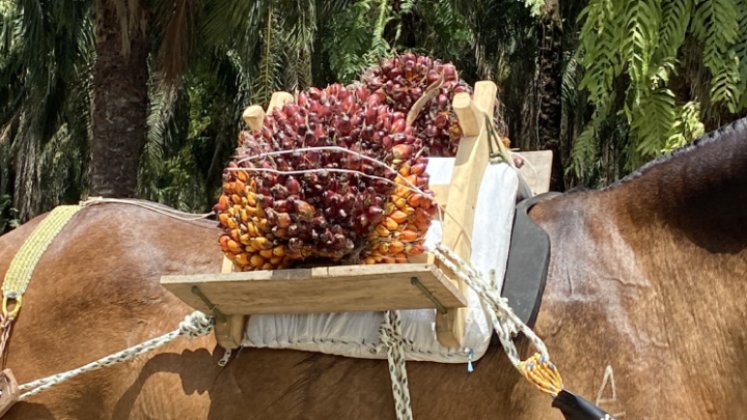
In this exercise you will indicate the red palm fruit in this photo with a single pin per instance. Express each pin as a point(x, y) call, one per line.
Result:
point(318, 213)
point(403, 79)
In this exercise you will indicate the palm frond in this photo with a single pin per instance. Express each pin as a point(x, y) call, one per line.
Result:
point(176, 22)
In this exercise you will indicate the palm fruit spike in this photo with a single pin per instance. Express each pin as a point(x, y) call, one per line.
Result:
point(407, 217)
point(324, 214)
point(403, 79)
point(244, 221)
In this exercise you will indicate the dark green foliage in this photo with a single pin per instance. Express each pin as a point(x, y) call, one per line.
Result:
point(45, 55)
point(671, 68)
point(638, 78)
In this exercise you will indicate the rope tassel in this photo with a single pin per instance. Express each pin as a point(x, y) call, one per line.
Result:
point(542, 373)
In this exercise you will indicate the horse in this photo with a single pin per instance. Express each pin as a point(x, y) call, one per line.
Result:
point(643, 312)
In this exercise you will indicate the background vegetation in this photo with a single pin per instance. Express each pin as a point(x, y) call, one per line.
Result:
point(606, 84)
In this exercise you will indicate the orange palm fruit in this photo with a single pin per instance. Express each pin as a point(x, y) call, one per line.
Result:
point(382, 231)
point(399, 216)
point(242, 259)
point(278, 251)
point(408, 236)
point(415, 200)
point(416, 250)
point(395, 247)
point(256, 261)
point(233, 246)
point(223, 202)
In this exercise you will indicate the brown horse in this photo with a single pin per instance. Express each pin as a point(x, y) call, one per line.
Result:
point(648, 276)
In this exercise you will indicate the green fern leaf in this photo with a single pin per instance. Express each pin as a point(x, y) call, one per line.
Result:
point(676, 17)
point(741, 52)
point(716, 26)
point(652, 121)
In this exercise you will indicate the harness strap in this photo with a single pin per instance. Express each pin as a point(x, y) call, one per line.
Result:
point(24, 262)
point(22, 266)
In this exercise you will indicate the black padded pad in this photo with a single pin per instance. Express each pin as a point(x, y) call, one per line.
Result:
point(528, 260)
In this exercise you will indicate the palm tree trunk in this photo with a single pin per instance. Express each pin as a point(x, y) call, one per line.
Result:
point(550, 71)
point(120, 98)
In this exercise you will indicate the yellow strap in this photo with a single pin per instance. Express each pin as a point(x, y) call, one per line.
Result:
point(24, 262)
point(542, 373)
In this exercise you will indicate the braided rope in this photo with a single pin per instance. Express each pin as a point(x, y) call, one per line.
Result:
point(391, 337)
point(538, 369)
point(195, 324)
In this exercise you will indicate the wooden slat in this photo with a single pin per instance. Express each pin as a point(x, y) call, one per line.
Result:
point(318, 290)
point(469, 115)
point(537, 170)
point(470, 163)
point(253, 117)
point(279, 99)
point(230, 332)
point(441, 193)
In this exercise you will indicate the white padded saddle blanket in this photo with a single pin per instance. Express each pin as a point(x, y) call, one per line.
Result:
point(355, 334)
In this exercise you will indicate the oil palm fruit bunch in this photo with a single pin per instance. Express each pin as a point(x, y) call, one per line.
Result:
point(283, 203)
point(404, 79)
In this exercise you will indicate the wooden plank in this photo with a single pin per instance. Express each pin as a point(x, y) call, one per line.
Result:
point(227, 266)
point(470, 163)
point(230, 332)
point(537, 170)
point(442, 194)
point(469, 115)
point(319, 290)
point(253, 117)
point(279, 99)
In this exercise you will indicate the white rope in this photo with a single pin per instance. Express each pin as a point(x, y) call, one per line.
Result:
point(195, 324)
point(320, 149)
point(391, 337)
point(506, 323)
point(154, 207)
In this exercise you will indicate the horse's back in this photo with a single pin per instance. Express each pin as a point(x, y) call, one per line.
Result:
point(95, 291)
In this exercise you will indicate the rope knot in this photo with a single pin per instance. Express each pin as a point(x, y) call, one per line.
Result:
point(196, 324)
